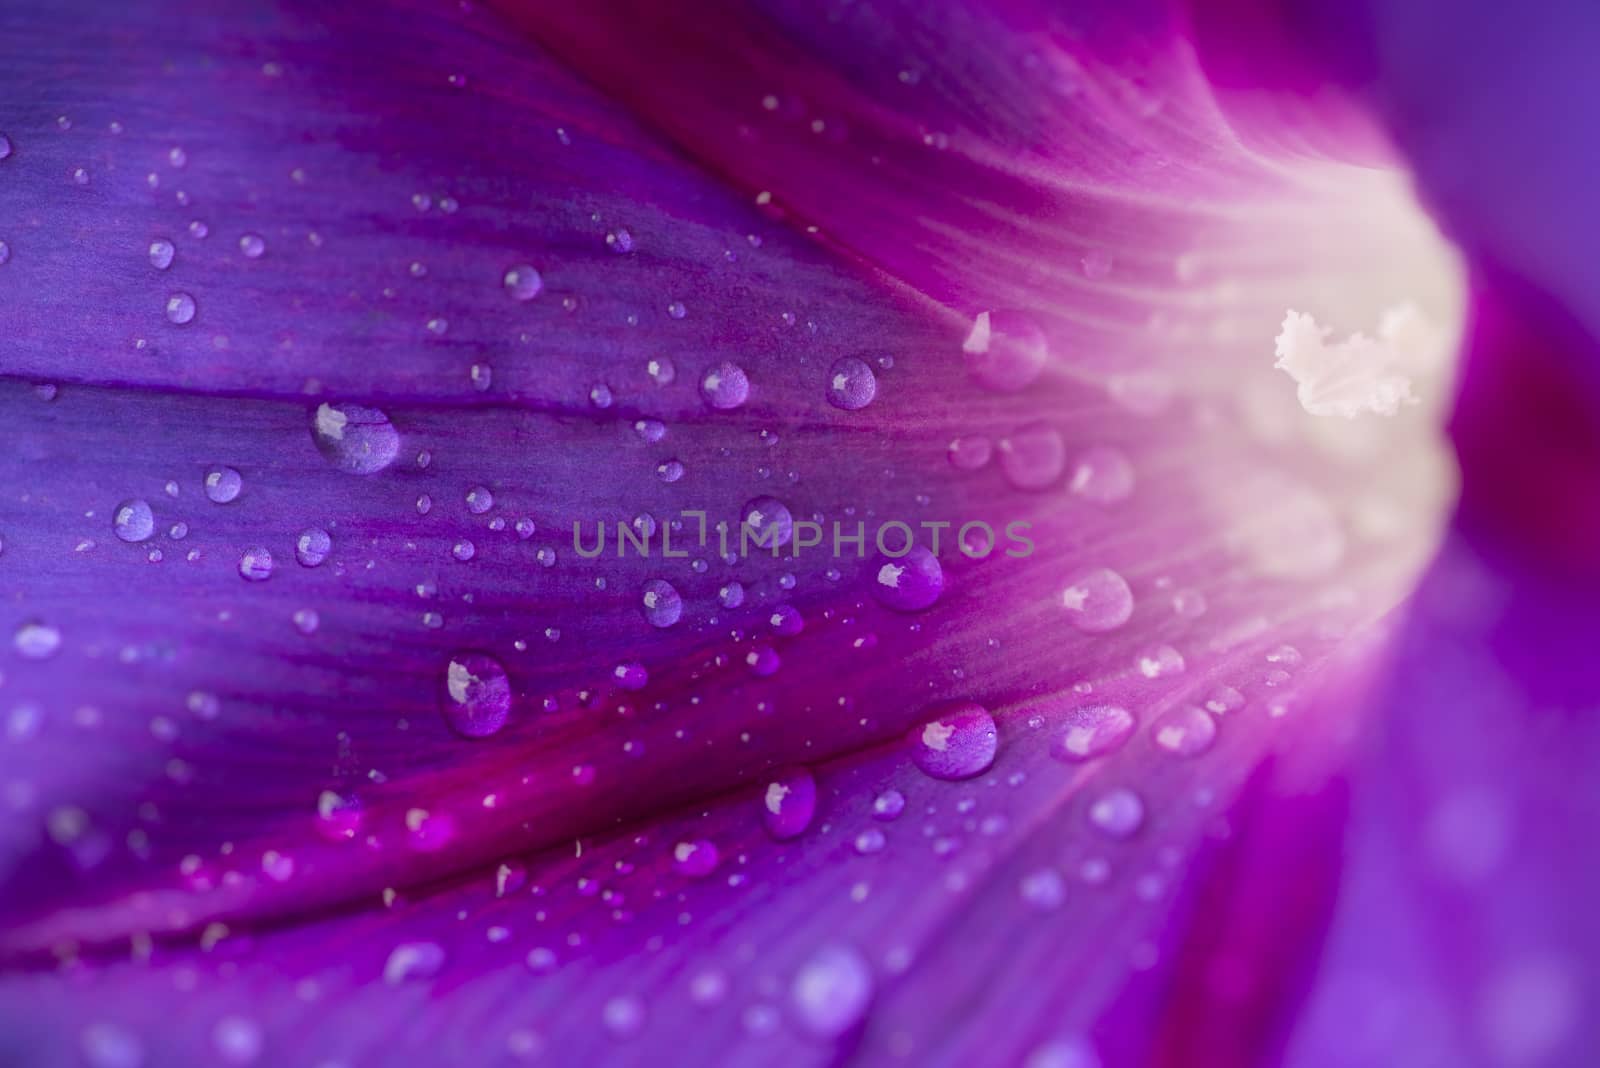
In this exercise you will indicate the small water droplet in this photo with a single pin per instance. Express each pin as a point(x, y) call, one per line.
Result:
point(1033, 458)
point(1185, 731)
point(888, 805)
point(663, 606)
point(1094, 731)
point(413, 960)
point(788, 802)
point(180, 309)
point(662, 371)
point(851, 384)
point(255, 564)
point(1103, 475)
point(223, 485)
point(695, 859)
point(312, 547)
point(970, 452)
point(1118, 813)
point(770, 523)
point(35, 640)
point(252, 246)
point(479, 500)
point(831, 991)
point(1005, 350)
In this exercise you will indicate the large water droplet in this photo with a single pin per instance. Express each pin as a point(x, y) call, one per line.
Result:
point(910, 583)
point(662, 604)
point(851, 384)
point(477, 695)
point(35, 640)
point(355, 439)
point(162, 252)
point(1098, 600)
point(1093, 731)
point(831, 991)
point(134, 521)
point(957, 742)
point(724, 386)
point(1005, 350)
point(788, 802)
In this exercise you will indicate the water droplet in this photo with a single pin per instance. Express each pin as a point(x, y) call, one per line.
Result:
point(971, 452)
point(306, 620)
point(477, 694)
point(631, 675)
point(5, 253)
point(312, 547)
point(1094, 731)
point(522, 282)
point(413, 960)
point(1044, 889)
point(1005, 350)
point(670, 470)
point(1185, 731)
point(338, 816)
point(5, 146)
point(1160, 662)
point(831, 991)
point(479, 500)
point(180, 308)
point(106, 1045)
point(134, 522)
point(662, 604)
point(1103, 475)
point(870, 841)
point(1098, 600)
point(623, 1016)
point(252, 245)
point(851, 384)
point(237, 1040)
point(1033, 458)
point(695, 859)
point(763, 661)
point(958, 742)
point(724, 386)
point(223, 484)
point(355, 439)
point(255, 564)
point(770, 523)
point(676, 309)
point(888, 805)
point(1118, 813)
point(36, 641)
point(662, 371)
point(910, 583)
point(789, 802)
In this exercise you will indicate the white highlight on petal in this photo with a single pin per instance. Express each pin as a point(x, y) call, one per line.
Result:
point(1359, 375)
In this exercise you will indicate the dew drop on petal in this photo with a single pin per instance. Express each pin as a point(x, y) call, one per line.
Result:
point(1185, 731)
point(1118, 813)
point(695, 859)
point(662, 604)
point(255, 564)
point(1102, 475)
point(788, 802)
point(252, 246)
point(870, 841)
point(223, 484)
point(1033, 458)
point(910, 583)
point(413, 960)
point(970, 452)
point(133, 521)
point(771, 526)
point(355, 439)
point(34, 640)
point(831, 991)
point(522, 282)
point(661, 370)
point(477, 695)
point(106, 1045)
point(888, 805)
point(623, 1016)
point(631, 675)
point(312, 547)
point(1098, 600)
point(1094, 731)
point(958, 742)
point(1043, 889)
point(851, 384)
point(1005, 350)
point(338, 816)
point(237, 1040)
point(180, 309)
point(479, 500)
point(162, 252)
point(724, 386)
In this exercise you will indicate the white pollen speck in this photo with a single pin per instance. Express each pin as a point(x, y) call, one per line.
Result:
point(1359, 375)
